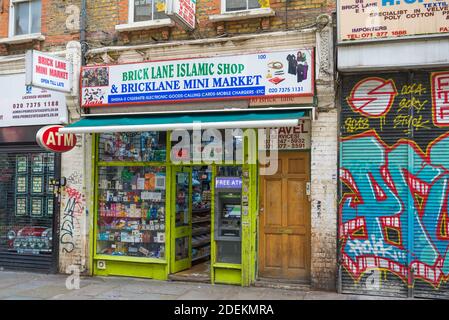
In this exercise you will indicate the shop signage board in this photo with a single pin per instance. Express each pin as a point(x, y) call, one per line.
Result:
point(384, 19)
point(51, 139)
point(47, 71)
point(288, 138)
point(183, 12)
point(27, 106)
point(287, 73)
point(228, 182)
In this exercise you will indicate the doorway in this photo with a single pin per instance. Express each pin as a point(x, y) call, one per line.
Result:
point(284, 250)
point(191, 223)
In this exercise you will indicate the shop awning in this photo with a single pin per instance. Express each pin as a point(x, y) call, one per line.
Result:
point(188, 121)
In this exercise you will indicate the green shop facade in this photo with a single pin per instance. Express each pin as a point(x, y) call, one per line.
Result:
point(172, 200)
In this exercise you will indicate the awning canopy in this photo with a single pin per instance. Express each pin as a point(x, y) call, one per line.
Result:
point(173, 121)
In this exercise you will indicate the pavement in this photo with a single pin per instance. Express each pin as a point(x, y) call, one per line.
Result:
point(34, 286)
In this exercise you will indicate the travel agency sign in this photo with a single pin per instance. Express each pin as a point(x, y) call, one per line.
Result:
point(272, 74)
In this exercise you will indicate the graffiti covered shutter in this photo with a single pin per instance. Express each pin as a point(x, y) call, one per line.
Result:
point(373, 226)
point(394, 223)
point(429, 187)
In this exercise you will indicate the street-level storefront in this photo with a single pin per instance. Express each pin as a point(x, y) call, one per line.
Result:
point(394, 157)
point(160, 217)
point(178, 194)
point(28, 205)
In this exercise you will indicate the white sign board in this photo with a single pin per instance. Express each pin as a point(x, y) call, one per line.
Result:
point(286, 73)
point(288, 138)
point(47, 71)
point(183, 12)
point(23, 105)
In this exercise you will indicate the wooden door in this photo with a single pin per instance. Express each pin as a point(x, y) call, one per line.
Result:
point(284, 250)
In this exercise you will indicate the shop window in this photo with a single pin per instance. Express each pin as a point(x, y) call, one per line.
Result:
point(133, 146)
point(26, 204)
point(239, 5)
point(216, 146)
point(25, 17)
point(131, 212)
point(146, 10)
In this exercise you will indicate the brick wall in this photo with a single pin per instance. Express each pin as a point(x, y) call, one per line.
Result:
point(104, 15)
point(58, 25)
point(324, 200)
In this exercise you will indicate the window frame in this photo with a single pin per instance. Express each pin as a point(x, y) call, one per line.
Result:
point(12, 16)
point(131, 11)
point(224, 11)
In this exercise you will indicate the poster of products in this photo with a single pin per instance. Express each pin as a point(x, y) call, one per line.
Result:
point(21, 184)
point(50, 162)
point(37, 163)
point(37, 207)
point(22, 164)
point(21, 206)
point(50, 204)
point(50, 187)
point(37, 183)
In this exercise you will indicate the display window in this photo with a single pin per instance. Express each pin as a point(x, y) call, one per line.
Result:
point(216, 145)
point(131, 215)
point(133, 146)
point(26, 204)
point(187, 216)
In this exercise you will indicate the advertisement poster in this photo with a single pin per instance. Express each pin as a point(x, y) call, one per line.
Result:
point(27, 106)
point(381, 19)
point(21, 206)
point(273, 74)
point(288, 138)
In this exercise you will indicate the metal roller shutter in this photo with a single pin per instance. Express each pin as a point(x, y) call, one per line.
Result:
point(27, 207)
point(370, 240)
point(429, 264)
point(393, 223)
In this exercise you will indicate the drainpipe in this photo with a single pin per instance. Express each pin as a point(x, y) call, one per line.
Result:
point(83, 22)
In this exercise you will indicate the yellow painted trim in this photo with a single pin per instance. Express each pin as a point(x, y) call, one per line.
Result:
point(213, 250)
point(130, 164)
point(228, 276)
point(93, 215)
point(130, 259)
point(132, 269)
point(227, 265)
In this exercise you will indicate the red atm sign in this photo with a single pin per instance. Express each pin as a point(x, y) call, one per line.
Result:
point(51, 139)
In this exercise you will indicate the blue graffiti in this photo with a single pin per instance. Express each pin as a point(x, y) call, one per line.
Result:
point(395, 216)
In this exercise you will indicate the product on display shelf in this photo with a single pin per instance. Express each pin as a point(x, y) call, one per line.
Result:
point(131, 223)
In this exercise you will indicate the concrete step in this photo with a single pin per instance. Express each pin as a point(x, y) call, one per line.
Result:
point(282, 284)
point(185, 278)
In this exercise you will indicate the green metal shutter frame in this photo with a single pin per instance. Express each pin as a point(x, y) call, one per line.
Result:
point(394, 188)
point(27, 210)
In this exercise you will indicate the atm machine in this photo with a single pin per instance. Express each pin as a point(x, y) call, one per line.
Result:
point(228, 218)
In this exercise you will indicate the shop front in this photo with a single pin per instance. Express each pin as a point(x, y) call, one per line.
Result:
point(178, 192)
point(28, 204)
point(393, 184)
